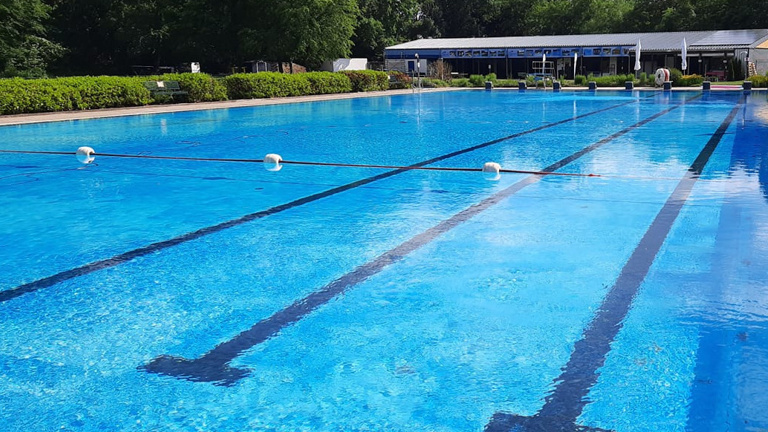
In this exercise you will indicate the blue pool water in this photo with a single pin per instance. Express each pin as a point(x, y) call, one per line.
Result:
point(139, 294)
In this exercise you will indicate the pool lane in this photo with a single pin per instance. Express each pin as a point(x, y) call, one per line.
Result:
point(692, 352)
point(565, 404)
point(46, 282)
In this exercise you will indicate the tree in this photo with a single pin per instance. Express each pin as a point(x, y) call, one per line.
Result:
point(305, 31)
point(24, 50)
point(511, 19)
point(148, 26)
point(384, 23)
point(731, 14)
point(577, 16)
point(661, 15)
point(91, 45)
point(465, 19)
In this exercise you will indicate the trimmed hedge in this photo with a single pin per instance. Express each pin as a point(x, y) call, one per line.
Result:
point(433, 83)
point(507, 83)
point(367, 80)
point(200, 87)
point(272, 84)
point(399, 80)
point(19, 96)
point(612, 80)
point(477, 80)
point(460, 82)
point(328, 82)
point(266, 85)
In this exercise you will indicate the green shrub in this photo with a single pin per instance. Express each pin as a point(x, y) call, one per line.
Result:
point(689, 81)
point(645, 80)
point(367, 80)
point(580, 80)
point(759, 81)
point(266, 85)
point(328, 82)
point(19, 96)
point(199, 86)
point(103, 91)
point(613, 80)
point(477, 80)
point(399, 80)
point(506, 83)
point(491, 77)
point(434, 83)
point(675, 75)
point(460, 82)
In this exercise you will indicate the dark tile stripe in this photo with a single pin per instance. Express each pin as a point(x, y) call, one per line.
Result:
point(214, 365)
point(49, 281)
point(564, 405)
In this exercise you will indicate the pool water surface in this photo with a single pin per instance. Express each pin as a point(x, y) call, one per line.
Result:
point(624, 291)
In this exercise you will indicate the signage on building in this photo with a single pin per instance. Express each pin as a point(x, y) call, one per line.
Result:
point(599, 51)
point(474, 53)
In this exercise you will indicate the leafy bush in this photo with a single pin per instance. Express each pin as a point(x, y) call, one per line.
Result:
point(201, 87)
point(266, 85)
point(399, 80)
point(759, 81)
point(477, 80)
point(328, 82)
point(645, 80)
point(506, 83)
point(613, 80)
point(19, 96)
point(675, 75)
point(580, 80)
point(460, 82)
point(367, 80)
point(491, 77)
point(689, 80)
point(103, 91)
point(433, 83)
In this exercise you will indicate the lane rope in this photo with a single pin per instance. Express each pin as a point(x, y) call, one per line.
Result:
point(345, 165)
point(305, 163)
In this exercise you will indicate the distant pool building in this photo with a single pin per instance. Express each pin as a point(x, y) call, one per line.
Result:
point(709, 53)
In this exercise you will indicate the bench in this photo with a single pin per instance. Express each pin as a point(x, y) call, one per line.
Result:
point(164, 88)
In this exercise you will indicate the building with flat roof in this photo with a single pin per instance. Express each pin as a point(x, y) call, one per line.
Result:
point(708, 53)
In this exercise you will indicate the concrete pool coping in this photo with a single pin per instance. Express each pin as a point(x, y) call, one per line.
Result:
point(21, 119)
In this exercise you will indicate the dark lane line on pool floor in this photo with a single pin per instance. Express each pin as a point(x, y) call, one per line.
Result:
point(214, 366)
point(564, 405)
point(49, 281)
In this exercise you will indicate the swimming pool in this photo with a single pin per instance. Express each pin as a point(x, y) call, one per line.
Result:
point(188, 295)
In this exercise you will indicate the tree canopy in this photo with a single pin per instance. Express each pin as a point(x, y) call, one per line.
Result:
point(64, 37)
point(24, 50)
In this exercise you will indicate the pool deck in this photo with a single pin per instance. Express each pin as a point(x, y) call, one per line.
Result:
point(20, 119)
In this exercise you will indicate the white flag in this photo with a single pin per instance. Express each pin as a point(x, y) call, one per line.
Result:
point(637, 56)
point(685, 55)
point(575, 60)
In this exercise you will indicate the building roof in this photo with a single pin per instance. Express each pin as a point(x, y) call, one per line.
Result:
point(715, 40)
